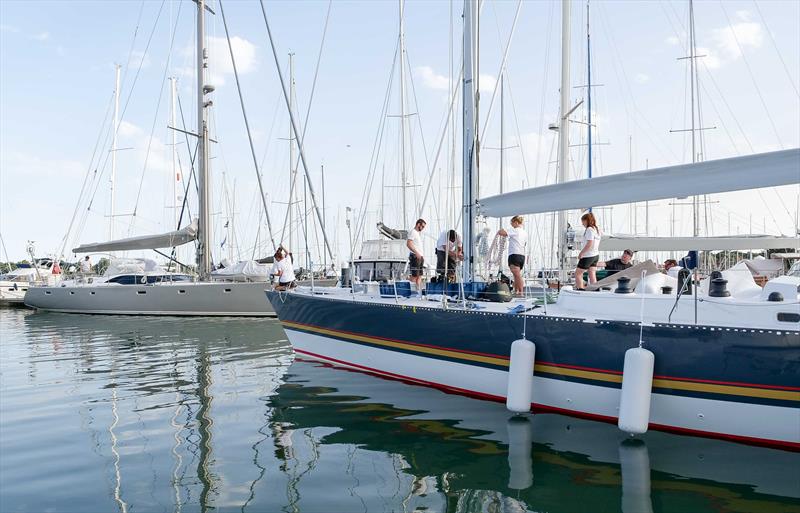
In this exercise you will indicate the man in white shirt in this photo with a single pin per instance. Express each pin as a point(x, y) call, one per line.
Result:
point(86, 265)
point(283, 270)
point(416, 261)
point(448, 251)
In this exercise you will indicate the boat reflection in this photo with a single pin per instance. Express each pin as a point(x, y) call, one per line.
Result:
point(195, 415)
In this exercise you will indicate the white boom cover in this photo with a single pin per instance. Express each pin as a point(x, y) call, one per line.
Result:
point(622, 242)
point(710, 177)
point(163, 240)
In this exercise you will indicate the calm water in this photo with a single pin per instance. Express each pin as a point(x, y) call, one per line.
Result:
point(104, 414)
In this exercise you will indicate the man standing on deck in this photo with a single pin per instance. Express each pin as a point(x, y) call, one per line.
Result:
point(415, 259)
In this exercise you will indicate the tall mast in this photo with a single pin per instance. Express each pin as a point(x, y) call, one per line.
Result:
point(203, 171)
point(292, 176)
point(114, 152)
point(324, 254)
point(563, 132)
point(693, 71)
point(502, 137)
point(403, 178)
point(589, 89)
point(469, 133)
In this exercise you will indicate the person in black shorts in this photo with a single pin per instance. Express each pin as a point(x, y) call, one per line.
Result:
point(416, 261)
point(590, 254)
point(517, 242)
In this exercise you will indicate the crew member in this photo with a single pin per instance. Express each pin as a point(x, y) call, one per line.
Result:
point(590, 254)
point(86, 265)
point(449, 250)
point(517, 240)
point(415, 259)
point(618, 264)
point(282, 269)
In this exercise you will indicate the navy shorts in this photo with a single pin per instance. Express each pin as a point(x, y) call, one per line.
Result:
point(516, 261)
point(587, 262)
point(415, 264)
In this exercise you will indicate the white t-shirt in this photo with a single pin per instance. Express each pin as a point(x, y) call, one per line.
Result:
point(86, 266)
point(444, 240)
point(416, 240)
point(593, 238)
point(517, 240)
point(285, 268)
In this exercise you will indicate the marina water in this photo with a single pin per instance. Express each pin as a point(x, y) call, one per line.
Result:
point(103, 414)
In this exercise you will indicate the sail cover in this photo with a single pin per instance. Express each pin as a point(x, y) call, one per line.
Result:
point(163, 240)
point(710, 177)
point(622, 242)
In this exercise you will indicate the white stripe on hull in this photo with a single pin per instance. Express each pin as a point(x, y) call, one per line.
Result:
point(724, 418)
point(200, 299)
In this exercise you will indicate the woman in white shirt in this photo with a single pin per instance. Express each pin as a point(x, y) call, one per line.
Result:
point(283, 270)
point(517, 240)
point(590, 254)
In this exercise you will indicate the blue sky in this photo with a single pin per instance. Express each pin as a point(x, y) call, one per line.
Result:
point(57, 71)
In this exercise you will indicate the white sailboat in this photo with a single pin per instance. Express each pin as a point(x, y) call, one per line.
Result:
point(143, 288)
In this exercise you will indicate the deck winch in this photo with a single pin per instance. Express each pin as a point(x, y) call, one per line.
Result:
point(520, 376)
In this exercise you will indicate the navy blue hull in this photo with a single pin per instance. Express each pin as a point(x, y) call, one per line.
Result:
point(742, 366)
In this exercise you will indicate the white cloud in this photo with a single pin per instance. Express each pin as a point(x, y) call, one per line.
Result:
point(486, 83)
point(220, 59)
point(41, 36)
point(127, 129)
point(642, 78)
point(432, 80)
point(730, 41)
point(672, 40)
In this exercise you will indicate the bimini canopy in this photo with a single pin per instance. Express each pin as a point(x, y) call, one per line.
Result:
point(622, 242)
point(710, 177)
point(163, 240)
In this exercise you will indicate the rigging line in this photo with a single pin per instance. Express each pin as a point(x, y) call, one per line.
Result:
point(86, 179)
point(752, 77)
point(548, 38)
point(503, 66)
point(777, 50)
point(308, 111)
point(296, 133)
point(421, 132)
point(247, 126)
point(377, 143)
point(133, 43)
point(155, 116)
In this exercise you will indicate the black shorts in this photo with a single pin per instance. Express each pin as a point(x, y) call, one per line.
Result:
point(587, 262)
point(441, 257)
point(516, 260)
point(415, 264)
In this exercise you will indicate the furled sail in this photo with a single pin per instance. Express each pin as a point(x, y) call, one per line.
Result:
point(163, 240)
point(742, 242)
point(713, 176)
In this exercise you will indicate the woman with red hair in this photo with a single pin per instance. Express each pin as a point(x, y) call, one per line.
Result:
point(590, 254)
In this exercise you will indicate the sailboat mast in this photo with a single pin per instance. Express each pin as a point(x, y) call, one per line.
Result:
point(469, 134)
point(203, 183)
point(403, 178)
point(563, 134)
point(114, 152)
point(693, 71)
point(589, 89)
point(292, 180)
point(502, 138)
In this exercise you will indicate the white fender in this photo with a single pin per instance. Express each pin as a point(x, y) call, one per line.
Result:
point(520, 457)
point(520, 376)
point(637, 386)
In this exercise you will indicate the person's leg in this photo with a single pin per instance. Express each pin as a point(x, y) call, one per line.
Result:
point(579, 278)
point(592, 275)
point(517, 273)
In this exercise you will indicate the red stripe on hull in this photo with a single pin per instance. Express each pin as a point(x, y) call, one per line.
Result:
point(535, 407)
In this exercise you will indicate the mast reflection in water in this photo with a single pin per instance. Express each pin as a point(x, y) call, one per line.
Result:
point(150, 414)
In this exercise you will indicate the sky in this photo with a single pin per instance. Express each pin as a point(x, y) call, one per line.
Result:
point(57, 63)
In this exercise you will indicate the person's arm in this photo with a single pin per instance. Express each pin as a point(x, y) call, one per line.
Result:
point(410, 246)
point(585, 249)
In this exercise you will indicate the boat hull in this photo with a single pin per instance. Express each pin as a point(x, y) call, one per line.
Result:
point(734, 384)
point(183, 299)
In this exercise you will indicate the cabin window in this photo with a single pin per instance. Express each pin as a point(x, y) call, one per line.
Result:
point(141, 292)
point(227, 291)
point(181, 291)
point(788, 317)
point(47, 292)
point(92, 293)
